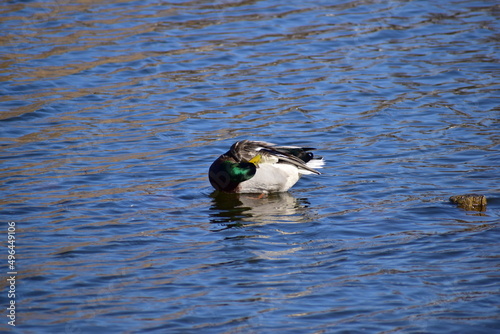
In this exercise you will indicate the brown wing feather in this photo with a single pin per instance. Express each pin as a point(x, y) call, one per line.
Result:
point(245, 150)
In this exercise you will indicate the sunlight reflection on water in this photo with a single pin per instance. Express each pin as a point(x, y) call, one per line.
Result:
point(112, 113)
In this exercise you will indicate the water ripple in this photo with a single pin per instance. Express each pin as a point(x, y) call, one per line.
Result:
point(112, 113)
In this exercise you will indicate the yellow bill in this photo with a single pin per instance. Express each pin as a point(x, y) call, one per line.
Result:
point(256, 160)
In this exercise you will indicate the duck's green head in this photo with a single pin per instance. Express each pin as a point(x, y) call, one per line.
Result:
point(226, 175)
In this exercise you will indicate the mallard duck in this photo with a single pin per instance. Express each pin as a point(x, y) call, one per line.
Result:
point(261, 167)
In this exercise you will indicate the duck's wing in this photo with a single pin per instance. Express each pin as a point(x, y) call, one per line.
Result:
point(265, 152)
point(246, 150)
point(293, 155)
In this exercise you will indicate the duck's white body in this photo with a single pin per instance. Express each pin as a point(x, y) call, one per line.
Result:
point(276, 177)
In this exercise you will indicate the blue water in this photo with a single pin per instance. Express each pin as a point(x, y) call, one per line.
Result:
point(111, 114)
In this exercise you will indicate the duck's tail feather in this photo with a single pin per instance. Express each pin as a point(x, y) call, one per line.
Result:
point(313, 164)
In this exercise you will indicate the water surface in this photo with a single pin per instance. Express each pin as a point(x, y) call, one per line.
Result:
point(112, 112)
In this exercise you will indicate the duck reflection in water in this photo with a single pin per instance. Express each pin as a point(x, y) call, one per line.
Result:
point(237, 210)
